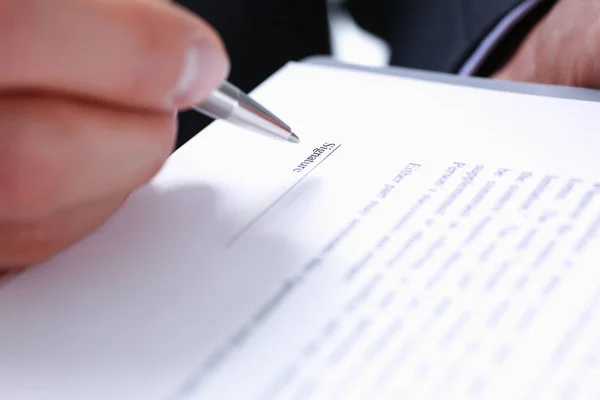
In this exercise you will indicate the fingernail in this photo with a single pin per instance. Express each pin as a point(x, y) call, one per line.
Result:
point(205, 67)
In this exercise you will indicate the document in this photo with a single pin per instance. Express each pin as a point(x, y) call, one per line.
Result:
point(423, 241)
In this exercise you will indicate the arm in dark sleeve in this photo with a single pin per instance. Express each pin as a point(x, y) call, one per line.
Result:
point(501, 44)
point(443, 35)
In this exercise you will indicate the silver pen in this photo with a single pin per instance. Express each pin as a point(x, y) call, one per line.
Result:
point(231, 104)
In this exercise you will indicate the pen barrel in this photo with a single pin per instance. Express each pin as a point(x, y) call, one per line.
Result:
point(222, 102)
point(231, 104)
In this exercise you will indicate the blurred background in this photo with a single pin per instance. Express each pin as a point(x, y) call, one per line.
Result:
point(352, 44)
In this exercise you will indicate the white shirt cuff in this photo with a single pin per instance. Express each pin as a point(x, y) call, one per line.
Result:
point(496, 35)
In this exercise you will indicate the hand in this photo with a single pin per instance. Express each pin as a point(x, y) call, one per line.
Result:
point(563, 49)
point(89, 93)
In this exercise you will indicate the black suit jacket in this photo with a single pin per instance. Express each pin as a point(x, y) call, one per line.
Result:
point(262, 35)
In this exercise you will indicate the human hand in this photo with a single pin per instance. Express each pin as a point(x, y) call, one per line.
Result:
point(89, 94)
point(563, 49)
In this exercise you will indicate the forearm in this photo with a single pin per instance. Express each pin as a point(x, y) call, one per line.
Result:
point(436, 35)
point(562, 49)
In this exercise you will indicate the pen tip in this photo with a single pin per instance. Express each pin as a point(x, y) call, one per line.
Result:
point(293, 138)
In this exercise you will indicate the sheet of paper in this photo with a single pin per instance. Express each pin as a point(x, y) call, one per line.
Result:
point(423, 241)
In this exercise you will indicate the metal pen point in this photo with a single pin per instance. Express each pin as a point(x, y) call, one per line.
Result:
point(231, 104)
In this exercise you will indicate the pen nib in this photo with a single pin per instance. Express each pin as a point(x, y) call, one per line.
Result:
point(293, 138)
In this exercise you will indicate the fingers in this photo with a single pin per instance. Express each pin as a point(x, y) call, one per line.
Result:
point(89, 92)
point(56, 153)
point(138, 53)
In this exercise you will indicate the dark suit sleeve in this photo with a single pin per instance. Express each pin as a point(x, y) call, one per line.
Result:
point(513, 39)
point(437, 35)
point(262, 35)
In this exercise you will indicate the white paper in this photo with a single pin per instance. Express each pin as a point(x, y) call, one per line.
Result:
point(440, 242)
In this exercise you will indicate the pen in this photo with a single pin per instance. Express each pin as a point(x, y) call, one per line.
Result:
point(231, 104)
